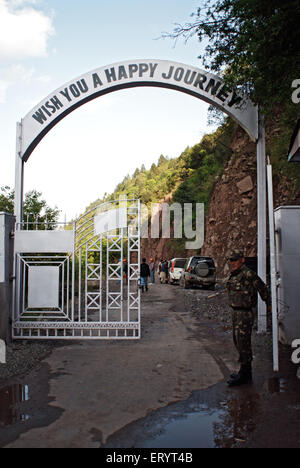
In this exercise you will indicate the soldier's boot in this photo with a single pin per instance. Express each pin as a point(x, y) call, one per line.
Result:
point(243, 377)
point(237, 374)
point(234, 376)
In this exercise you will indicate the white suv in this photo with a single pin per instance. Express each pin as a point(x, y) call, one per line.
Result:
point(176, 267)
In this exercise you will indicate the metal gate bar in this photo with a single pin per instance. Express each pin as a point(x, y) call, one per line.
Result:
point(59, 289)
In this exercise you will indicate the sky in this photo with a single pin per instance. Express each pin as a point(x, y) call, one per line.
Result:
point(46, 43)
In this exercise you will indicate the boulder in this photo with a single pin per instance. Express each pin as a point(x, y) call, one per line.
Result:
point(245, 185)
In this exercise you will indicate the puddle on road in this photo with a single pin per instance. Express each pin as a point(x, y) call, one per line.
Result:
point(200, 422)
point(221, 427)
point(195, 430)
point(10, 398)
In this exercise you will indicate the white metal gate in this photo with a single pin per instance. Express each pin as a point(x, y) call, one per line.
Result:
point(79, 281)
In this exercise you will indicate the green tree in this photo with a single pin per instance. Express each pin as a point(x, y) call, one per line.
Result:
point(35, 209)
point(153, 169)
point(162, 160)
point(7, 199)
point(255, 43)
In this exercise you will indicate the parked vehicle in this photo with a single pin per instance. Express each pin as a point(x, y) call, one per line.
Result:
point(199, 271)
point(176, 267)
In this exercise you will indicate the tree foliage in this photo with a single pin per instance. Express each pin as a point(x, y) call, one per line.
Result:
point(35, 209)
point(254, 43)
point(7, 199)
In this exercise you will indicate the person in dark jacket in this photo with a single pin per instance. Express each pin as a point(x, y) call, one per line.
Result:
point(164, 272)
point(145, 274)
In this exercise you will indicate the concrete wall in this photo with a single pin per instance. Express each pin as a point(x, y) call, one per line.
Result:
point(287, 226)
point(7, 222)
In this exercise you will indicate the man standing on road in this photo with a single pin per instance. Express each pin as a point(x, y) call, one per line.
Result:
point(152, 270)
point(164, 272)
point(242, 287)
point(125, 268)
point(145, 273)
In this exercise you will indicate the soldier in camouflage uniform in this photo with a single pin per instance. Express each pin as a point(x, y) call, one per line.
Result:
point(242, 287)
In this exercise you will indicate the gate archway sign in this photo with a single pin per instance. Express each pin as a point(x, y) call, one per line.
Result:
point(75, 93)
point(136, 73)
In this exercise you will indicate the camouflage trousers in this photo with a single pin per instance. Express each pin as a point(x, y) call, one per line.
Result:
point(242, 325)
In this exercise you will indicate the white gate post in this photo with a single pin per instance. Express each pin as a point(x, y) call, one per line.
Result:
point(273, 269)
point(19, 176)
point(261, 219)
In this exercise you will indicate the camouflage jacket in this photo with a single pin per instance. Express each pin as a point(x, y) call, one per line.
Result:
point(242, 286)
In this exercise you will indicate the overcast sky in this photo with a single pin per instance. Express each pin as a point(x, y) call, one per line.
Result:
point(44, 44)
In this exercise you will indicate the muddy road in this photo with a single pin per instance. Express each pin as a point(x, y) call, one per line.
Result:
point(166, 390)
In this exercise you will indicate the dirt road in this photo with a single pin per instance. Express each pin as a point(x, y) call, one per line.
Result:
point(86, 391)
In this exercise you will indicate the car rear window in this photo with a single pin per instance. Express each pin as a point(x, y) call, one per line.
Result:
point(207, 260)
point(180, 263)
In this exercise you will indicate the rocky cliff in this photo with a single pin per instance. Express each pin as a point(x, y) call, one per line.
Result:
point(231, 220)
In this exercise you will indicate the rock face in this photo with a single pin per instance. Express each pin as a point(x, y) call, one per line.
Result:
point(231, 220)
point(162, 248)
point(231, 216)
point(157, 249)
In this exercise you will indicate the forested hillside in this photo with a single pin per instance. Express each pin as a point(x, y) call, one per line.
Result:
point(189, 178)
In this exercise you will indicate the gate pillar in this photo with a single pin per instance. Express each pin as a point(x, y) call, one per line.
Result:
point(261, 220)
point(19, 176)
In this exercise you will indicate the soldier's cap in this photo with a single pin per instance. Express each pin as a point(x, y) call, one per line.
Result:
point(235, 255)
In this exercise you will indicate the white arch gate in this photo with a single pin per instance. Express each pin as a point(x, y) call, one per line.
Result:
point(159, 73)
